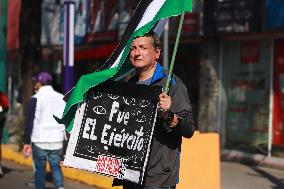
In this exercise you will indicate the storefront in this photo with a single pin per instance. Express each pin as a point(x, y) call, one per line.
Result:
point(246, 78)
point(250, 49)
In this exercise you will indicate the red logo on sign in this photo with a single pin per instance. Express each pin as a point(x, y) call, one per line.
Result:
point(109, 165)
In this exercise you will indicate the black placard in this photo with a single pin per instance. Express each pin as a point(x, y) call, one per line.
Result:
point(116, 128)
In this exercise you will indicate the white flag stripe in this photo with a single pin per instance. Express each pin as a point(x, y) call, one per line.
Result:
point(150, 12)
point(115, 64)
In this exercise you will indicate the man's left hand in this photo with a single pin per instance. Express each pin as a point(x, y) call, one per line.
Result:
point(165, 102)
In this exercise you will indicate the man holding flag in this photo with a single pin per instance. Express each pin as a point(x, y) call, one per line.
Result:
point(175, 118)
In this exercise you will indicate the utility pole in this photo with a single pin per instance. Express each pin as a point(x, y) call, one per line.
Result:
point(120, 22)
point(166, 46)
point(69, 12)
point(102, 15)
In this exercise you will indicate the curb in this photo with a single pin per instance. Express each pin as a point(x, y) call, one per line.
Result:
point(252, 159)
point(10, 152)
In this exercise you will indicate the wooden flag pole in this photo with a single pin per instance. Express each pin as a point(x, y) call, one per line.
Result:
point(174, 54)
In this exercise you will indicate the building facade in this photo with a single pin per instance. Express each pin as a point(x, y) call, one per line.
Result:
point(230, 58)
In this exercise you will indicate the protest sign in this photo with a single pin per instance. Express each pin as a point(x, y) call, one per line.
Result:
point(113, 130)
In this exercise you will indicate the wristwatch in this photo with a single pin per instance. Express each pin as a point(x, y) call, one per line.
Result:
point(170, 116)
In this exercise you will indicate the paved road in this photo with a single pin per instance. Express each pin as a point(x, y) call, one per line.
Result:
point(17, 176)
point(240, 176)
point(233, 176)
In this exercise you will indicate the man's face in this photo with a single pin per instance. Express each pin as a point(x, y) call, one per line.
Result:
point(143, 54)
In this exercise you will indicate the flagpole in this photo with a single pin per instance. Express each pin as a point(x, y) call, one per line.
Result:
point(174, 54)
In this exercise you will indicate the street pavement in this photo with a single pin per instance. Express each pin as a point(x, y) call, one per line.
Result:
point(19, 177)
point(236, 175)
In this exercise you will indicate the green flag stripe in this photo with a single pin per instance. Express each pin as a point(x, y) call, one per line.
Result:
point(85, 83)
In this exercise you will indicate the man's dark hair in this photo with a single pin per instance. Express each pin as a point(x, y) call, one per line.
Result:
point(155, 39)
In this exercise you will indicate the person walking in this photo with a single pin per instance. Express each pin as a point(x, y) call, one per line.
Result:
point(43, 136)
point(174, 120)
point(4, 107)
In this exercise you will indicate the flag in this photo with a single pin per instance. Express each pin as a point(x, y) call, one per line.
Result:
point(148, 15)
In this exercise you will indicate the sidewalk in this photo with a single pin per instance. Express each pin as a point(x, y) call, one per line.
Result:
point(252, 159)
point(199, 160)
point(10, 152)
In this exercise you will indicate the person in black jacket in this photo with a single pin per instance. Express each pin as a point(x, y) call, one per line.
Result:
point(175, 117)
point(4, 107)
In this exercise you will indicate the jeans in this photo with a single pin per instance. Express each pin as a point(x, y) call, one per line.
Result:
point(40, 156)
